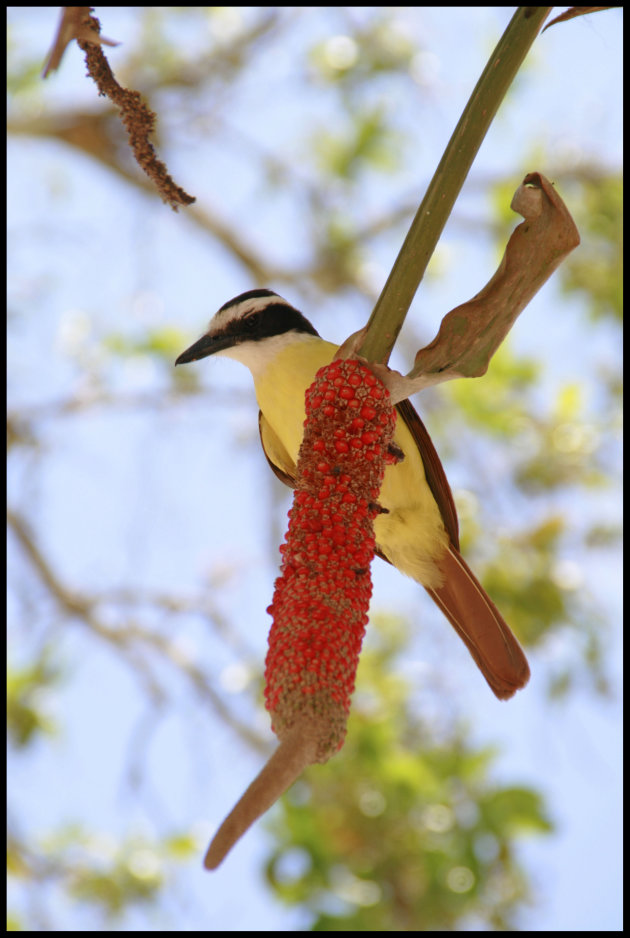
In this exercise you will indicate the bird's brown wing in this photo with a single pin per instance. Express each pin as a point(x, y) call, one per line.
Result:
point(433, 469)
point(481, 626)
point(462, 598)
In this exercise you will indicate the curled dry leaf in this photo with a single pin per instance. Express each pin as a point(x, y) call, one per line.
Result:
point(471, 333)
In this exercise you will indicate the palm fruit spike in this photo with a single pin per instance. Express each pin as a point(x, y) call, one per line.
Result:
point(321, 598)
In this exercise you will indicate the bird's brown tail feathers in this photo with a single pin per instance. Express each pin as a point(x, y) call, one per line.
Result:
point(480, 625)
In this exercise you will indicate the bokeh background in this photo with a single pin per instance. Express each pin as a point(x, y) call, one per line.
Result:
point(144, 523)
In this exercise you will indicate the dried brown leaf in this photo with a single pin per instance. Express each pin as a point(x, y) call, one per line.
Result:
point(471, 333)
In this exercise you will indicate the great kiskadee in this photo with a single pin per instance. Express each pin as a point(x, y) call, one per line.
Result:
point(418, 533)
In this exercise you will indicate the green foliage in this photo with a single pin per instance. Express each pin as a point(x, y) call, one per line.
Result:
point(367, 144)
point(14, 922)
point(29, 692)
point(595, 270)
point(497, 403)
point(165, 342)
point(519, 581)
point(539, 595)
point(376, 48)
point(367, 137)
point(568, 448)
point(106, 877)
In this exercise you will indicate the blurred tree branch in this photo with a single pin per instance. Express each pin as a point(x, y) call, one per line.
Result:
point(130, 639)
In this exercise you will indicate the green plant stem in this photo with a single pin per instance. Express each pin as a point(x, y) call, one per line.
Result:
point(392, 305)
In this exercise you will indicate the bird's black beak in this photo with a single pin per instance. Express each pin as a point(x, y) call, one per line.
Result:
point(206, 345)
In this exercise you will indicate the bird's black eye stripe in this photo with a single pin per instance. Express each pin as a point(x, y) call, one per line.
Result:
point(274, 319)
point(251, 322)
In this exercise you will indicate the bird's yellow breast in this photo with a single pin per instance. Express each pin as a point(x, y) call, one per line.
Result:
point(412, 535)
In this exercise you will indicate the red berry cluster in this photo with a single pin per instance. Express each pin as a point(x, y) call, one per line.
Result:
point(321, 598)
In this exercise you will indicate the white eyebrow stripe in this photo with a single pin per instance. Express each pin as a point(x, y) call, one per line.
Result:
point(238, 310)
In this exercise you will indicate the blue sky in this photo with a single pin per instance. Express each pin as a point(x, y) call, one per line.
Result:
point(127, 490)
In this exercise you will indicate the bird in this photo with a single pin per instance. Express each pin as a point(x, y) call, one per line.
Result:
point(418, 531)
